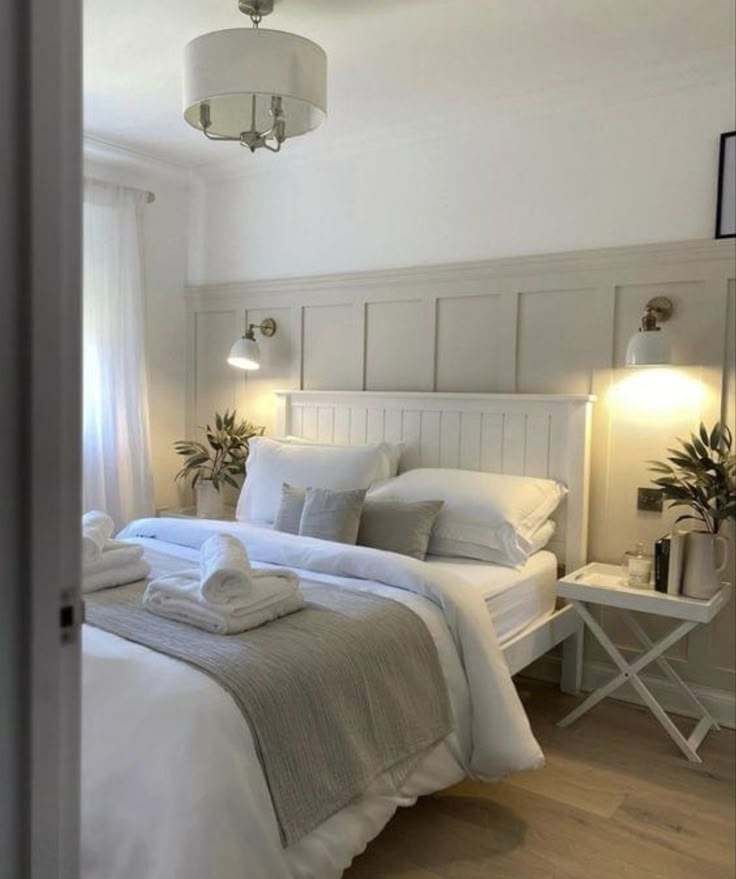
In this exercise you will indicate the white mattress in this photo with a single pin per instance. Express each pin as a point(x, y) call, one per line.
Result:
point(515, 597)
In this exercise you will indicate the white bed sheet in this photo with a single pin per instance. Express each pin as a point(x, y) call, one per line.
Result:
point(150, 811)
point(171, 784)
point(516, 598)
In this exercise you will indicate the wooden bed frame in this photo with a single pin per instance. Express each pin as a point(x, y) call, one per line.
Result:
point(544, 435)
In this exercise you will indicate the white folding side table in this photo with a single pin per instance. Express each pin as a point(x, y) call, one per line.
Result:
point(605, 585)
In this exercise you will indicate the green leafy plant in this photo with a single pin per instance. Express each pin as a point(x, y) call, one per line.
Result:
point(222, 458)
point(701, 474)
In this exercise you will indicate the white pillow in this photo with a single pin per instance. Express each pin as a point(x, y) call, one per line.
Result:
point(463, 549)
point(271, 463)
point(394, 450)
point(484, 514)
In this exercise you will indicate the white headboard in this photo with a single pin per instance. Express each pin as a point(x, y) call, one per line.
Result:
point(521, 434)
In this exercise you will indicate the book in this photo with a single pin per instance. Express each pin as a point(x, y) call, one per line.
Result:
point(677, 562)
point(662, 563)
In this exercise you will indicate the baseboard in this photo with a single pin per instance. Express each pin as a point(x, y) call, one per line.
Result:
point(720, 703)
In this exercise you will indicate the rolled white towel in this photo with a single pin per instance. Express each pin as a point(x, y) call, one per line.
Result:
point(119, 575)
point(97, 528)
point(116, 554)
point(178, 597)
point(225, 570)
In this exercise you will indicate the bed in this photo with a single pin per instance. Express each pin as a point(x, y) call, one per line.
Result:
point(545, 435)
point(172, 785)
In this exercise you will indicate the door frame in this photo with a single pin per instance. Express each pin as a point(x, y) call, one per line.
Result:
point(40, 445)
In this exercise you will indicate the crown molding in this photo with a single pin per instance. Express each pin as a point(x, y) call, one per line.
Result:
point(125, 160)
point(717, 251)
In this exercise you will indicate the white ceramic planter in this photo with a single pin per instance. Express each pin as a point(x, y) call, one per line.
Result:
point(700, 577)
point(209, 500)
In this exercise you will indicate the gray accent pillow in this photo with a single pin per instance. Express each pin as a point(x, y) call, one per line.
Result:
point(289, 513)
point(398, 526)
point(332, 515)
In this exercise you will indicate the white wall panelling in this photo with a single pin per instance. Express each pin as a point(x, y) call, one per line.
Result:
point(473, 342)
point(217, 383)
point(406, 325)
point(541, 324)
point(332, 346)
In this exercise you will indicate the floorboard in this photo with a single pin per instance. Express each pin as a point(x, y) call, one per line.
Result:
point(616, 800)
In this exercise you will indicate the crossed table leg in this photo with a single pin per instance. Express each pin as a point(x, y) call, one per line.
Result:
point(629, 673)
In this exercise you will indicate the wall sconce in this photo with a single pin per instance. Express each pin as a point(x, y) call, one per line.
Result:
point(245, 353)
point(650, 345)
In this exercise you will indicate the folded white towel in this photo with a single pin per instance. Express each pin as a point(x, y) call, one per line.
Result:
point(119, 575)
point(114, 555)
point(268, 587)
point(225, 569)
point(97, 528)
point(179, 597)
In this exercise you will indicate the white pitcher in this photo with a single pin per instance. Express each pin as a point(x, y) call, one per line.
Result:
point(700, 578)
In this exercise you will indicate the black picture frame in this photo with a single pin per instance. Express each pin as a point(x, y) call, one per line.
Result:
point(726, 201)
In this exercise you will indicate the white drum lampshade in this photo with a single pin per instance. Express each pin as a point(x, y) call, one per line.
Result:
point(245, 354)
point(225, 70)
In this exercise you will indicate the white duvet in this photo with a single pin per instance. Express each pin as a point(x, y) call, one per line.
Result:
point(171, 784)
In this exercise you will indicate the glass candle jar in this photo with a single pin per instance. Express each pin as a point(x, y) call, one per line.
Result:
point(638, 568)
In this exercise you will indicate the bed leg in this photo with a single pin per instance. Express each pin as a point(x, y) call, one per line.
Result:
point(571, 678)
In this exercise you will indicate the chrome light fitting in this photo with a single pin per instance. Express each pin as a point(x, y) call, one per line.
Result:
point(254, 86)
point(650, 345)
point(245, 353)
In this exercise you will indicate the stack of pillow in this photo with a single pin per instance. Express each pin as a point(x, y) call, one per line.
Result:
point(492, 517)
point(354, 495)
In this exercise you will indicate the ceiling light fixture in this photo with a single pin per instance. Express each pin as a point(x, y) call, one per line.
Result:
point(254, 86)
point(245, 353)
point(650, 345)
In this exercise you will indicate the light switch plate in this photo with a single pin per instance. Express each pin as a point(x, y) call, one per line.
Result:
point(649, 500)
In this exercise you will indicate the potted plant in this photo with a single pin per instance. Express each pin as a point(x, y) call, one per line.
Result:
point(701, 475)
point(218, 462)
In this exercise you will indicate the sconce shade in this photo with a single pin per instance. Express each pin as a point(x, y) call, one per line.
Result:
point(245, 354)
point(649, 348)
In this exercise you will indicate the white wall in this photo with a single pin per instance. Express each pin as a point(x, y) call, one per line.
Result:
point(518, 178)
point(165, 229)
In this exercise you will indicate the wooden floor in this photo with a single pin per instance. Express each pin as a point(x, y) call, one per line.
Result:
point(616, 800)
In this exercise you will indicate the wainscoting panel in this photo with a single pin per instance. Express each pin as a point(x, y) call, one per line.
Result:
point(218, 385)
point(555, 323)
point(475, 350)
point(280, 351)
point(331, 345)
point(280, 363)
point(399, 353)
point(559, 330)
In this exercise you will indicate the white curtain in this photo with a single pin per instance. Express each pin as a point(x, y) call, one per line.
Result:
point(117, 450)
